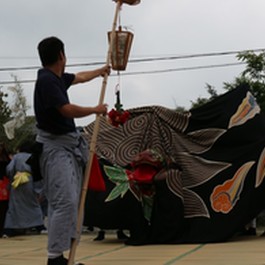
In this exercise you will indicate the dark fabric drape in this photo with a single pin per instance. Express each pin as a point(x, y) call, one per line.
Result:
point(211, 185)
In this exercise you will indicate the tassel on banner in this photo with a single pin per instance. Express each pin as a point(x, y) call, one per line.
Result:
point(118, 116)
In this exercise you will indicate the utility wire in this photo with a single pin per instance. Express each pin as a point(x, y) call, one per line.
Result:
point(183, 69)
point(168, 58)
point(149, 72)
point(175, 56)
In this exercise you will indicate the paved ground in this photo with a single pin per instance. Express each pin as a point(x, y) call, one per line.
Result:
point(31, 250)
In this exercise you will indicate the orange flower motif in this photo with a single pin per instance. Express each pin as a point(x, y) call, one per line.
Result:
point(225, 196)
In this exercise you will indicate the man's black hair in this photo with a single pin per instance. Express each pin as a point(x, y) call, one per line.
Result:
point(49, 50)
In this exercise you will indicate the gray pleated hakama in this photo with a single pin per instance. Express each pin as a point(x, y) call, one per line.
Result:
point(62, 163)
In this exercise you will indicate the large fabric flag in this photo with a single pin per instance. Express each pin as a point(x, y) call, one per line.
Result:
point(182, 177)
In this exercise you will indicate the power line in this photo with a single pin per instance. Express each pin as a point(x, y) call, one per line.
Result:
point(190, 56)
point(165, 58)
point(184, 69)
point(149, 72)
point(5, 69)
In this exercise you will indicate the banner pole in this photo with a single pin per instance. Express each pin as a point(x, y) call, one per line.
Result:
point(92, 146)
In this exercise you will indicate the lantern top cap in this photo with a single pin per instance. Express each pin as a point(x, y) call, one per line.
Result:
point(129, 2)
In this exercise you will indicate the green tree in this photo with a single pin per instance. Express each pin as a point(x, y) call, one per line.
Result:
point(5, 113)
point(27, 132)
point(12, 104)
point(253, 75)
point(201, 101)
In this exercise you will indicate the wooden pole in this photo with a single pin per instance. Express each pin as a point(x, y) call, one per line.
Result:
point(92, 146)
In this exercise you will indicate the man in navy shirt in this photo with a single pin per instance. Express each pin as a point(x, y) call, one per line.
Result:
point(64, 152)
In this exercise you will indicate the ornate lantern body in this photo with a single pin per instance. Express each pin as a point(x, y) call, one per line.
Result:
point(129, 2)
point(122, 42)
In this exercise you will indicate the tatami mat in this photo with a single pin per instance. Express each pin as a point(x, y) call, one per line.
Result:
point(31, 250)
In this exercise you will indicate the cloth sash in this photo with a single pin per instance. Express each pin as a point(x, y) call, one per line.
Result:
point(20, 178)
point(73, 142)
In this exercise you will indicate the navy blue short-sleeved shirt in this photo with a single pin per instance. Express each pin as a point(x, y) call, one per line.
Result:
point(50, 94)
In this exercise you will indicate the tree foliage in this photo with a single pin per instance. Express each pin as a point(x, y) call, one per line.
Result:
point(19, 103)
point(201, 101)
point(13, 102)
point(253, 75)
point(5, 113)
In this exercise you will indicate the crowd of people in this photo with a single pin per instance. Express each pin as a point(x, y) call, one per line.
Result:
point(23, 203)
point(23, 210)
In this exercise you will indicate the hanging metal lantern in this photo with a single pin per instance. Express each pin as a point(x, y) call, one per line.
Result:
point(129, 2)
point(122, 42)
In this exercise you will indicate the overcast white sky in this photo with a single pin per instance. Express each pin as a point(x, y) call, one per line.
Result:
point(161, 28)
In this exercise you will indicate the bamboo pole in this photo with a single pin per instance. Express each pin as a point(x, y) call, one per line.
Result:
point(92, 145)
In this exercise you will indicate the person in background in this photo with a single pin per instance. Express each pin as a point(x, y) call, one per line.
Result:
point(24, 212)
point(4, 185)
point(64, 153)
point(120, 235)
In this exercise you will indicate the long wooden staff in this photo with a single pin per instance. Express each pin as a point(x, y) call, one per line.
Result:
point(92, 145)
